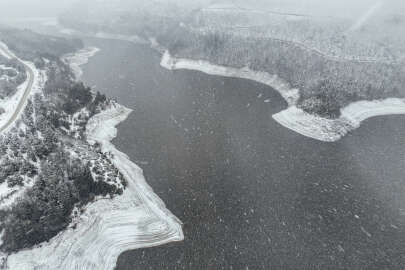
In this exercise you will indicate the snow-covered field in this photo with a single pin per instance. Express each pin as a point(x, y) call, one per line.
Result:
point(306, 124)
point(4, 76)
point(8, 195)
point(108, 227)
point(12, 103)
point(9, 104)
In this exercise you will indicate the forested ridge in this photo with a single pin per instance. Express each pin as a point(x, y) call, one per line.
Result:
point(49, 169)
point(330, 68)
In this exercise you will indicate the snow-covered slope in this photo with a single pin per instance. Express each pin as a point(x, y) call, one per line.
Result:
point(15, 104)
point(313, 126)
point(136, 219)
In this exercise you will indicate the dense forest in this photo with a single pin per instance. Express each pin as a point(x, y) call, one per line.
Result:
point(32, 46)
point(326, 85)
point(12, 74)
point(45, 160)
point(353, 68)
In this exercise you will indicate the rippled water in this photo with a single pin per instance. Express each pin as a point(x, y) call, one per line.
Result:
point(252, 194)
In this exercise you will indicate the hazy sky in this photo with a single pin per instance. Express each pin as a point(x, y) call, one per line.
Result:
point(335, 8)
point(33, 8)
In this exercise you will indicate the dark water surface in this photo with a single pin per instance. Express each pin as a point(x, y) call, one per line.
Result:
point(252, 194)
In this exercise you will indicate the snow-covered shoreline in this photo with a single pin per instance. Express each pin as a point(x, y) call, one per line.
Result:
point(108, 227)
point(134, 39)
point(79, 58)
point(293, 118)
point(105, 35)
point(136, 219)
point(288, 93)
point(313, 126)
point(331, 130)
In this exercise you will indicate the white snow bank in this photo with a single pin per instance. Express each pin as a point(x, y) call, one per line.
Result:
point(362, 110)
point(313, 126)
point(79, 58)
point(134, 38)
point(9, 104)
point(108, 227)
point(105, 35)
point(3, 51)
point(289, 94)
point(8, 195)
point(330, 130)
point(7, 68)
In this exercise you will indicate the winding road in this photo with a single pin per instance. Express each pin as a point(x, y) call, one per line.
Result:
point(27, 91)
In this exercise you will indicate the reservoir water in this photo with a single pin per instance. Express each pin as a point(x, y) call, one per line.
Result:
point(251, 193)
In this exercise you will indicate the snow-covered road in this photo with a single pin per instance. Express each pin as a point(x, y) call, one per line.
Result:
point(14, 109)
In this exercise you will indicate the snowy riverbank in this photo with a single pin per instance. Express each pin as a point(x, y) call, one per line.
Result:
point(289, 94)
point(313, 126)
point(136, 219)
point(293, 118)
point(108, 227)
point(105, 35)
point(77, 59)
point(329, 130)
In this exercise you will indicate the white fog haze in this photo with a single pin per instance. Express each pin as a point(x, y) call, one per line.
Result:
point(202, 134)
point(32, 8)
point(334, 8)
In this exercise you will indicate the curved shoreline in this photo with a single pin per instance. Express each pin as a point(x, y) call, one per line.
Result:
point(331, 130)
point(312, 126)
point(289, 94)
point(136, 219)
point(75, 60)
point(293, 118)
